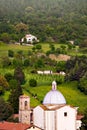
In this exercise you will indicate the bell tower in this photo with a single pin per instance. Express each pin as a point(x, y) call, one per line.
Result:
point(24, 109)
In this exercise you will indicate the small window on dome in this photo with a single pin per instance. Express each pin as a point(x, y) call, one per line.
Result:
point(65, 113)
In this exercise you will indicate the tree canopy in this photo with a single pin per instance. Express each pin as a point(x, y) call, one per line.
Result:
point(49, 20)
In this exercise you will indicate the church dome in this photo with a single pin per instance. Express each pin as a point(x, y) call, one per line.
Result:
point(54, 97)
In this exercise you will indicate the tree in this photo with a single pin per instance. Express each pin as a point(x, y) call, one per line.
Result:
point(17, 62)
point(5, 37)
point(83, 85)
point(52, 47)
point(14, 96)
point(84, 120)
point(76, 68)
point(5, 110)
point(60, 66)
point(3, 82)
point(1, 90)
point(21, 28)
point(39, 63)
point(32, 82)
point(26, 62)
point(19, 75)
point(83, 44)
point(38, 47)
point(13, 84)
point(33, 49)
point(10, 53)
point(8, 76)
point(6, 62)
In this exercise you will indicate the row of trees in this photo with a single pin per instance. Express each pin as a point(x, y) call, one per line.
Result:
point(77, 70)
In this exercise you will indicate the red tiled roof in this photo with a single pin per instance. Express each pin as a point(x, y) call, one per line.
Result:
point(79, 117)
point(13, 126)
point(15, 116)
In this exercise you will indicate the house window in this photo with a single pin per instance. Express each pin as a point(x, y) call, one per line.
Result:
point(65, 113)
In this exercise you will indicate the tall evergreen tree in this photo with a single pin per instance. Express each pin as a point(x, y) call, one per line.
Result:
point(19, 75)
point(14, 97)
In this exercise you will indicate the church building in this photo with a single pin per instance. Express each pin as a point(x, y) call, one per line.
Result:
point(53, 114)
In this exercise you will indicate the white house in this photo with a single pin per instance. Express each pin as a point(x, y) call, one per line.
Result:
point(39, 72)
point(72, 42)
point(44, 72)
point(62, 73)
point(30, 38)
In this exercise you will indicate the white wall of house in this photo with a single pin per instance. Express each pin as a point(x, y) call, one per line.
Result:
point(49, 120)
point(44, 72)
point(38, 117)
point(78, 124)
point(29, 38)
point(56, 118)
point(66, 118)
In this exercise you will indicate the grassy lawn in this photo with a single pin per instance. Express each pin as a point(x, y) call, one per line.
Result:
point(72, 95)
point(5, 47)
point(45, 47)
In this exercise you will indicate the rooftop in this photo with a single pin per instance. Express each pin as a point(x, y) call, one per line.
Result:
point(13, 126)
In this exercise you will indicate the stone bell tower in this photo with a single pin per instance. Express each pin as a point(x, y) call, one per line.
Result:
point(24, 109)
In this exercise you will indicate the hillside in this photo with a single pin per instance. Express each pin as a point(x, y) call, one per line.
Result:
point(69, 89)
point(49, 20)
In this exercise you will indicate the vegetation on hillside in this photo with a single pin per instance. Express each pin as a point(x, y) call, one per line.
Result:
point(55, 23)
point(49, 20)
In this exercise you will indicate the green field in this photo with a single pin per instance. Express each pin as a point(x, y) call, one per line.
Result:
point(45, 47)
point(5, 47)
point(72, 95)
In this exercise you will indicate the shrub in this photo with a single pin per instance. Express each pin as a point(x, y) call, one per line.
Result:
point(6, 62)
point(10, 53)
point(1, 90)
point(3, 82)
point(32, 82)
point(6, 110)
point(26, 62)
point(8, 76)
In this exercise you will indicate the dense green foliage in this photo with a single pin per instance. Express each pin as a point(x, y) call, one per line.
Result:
point(84, 120)
point(32, 82)
point(49, 20)
point(16, 91)
point(76, 68)
point(19, 75)
point(5, 110)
